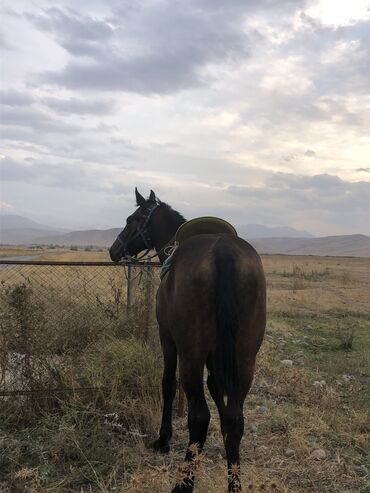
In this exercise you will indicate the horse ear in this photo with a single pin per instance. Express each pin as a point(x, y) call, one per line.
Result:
point(139, 198)
point(152, 196)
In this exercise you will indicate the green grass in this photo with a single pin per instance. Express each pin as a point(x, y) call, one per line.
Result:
point(346, 373)
point(321, 337)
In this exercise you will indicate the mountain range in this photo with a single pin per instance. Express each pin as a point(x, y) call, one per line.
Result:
point(19, 230)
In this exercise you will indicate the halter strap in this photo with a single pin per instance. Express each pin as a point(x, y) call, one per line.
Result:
point(141, 231)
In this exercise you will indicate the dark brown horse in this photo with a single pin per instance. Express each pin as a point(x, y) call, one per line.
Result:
point(211, 311)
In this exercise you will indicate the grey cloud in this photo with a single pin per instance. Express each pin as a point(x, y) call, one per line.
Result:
point(299, 113)
point(293, 156)
point(160, 49)
point(34, 120)
point(348, 74)
point(323, 193)
point(11, 170)
point(80, 35)
point(323, 182)
point(364, 170)
point(12, 97)
point(309, 153)
point(149, 75)
point(56, 175)
point(4, 45)
point(17, 98)
point(305, 202)
point(79, 106)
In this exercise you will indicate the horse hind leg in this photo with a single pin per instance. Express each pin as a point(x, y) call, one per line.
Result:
point(169, 391)
point(233, 425)
point(198, 421)
point(215, 391)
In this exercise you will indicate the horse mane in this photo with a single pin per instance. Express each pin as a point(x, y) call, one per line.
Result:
point(173, 218)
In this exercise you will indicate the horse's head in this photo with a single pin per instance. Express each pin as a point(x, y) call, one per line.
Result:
point(136, 235)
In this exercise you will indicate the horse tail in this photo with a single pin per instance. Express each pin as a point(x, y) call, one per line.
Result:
point(227, 319)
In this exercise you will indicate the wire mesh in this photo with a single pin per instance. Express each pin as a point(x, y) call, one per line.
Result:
point(51, 312)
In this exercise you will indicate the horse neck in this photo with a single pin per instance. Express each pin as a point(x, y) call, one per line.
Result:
point(164, 231)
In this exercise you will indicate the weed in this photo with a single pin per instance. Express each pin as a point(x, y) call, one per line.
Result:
point(298, 278)
point(345, 333)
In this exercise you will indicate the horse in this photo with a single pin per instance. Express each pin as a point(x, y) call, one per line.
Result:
point(211, 312)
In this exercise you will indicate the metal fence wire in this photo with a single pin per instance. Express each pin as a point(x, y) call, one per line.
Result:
point(51, 311)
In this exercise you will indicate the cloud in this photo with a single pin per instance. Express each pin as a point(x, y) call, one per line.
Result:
point(4, 45)
point(310, 193)
point(310, 153)
point(293, 156)
point(249, 5)
point(79, 106)
point(327, 51)
point(283, 181)
point(79, 34)
point(12, 97)
point(160, 49)
point(318, 202)
point(76, 175)
point(5, 207)
point(34, 119)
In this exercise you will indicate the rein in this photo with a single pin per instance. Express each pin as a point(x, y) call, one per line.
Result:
point(167, 249)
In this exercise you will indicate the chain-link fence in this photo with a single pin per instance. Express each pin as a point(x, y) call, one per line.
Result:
point(53, 312)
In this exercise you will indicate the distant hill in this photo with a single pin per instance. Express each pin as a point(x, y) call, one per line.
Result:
point(20, 230)
point(345, 245)
point(296, 243)
point(106, 237)
point(259, 231)
point(12, 221)
point(95, 237)
point(23, 236)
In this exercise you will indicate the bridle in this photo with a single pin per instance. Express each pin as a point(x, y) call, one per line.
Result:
point(142, 232)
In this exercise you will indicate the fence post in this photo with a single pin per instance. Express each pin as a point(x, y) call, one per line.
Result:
point(148, 303)
point(129, 289)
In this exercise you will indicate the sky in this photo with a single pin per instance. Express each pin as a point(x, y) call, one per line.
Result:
point(257, 111)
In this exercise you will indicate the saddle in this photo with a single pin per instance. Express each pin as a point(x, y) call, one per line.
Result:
point(198, 226)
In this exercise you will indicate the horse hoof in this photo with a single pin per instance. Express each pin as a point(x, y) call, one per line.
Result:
point(182, 489)
point(161, 447)
point(235, 488)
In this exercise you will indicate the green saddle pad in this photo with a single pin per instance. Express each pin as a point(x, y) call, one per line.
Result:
point(198, 226)
point(204, 225)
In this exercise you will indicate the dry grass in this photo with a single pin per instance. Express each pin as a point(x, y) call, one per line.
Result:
point(9, 251)
point(319, 318)
point(57, 253)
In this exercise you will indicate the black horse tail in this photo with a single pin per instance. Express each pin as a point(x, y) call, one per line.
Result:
point(227, 319)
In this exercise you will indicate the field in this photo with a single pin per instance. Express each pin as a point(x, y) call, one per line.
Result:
point(307, 420)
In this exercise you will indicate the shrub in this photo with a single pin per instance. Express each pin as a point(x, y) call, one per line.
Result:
point(126, 364)
point(345, 333)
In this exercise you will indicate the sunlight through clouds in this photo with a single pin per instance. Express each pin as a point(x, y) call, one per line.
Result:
point(340, 13)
